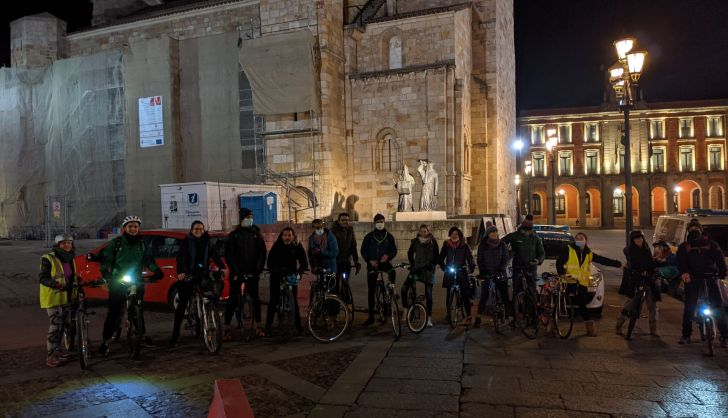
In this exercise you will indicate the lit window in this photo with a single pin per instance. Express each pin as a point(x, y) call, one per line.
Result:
point(621, 160)
point(536, 204)
point(714, 126)
point(539, 164)
point(657, 129)
point(565, 163)
point(686, 128)
point(687, 158)
point(658, 159)
point(537, 135)
point(715, 157)
point(395, 53)
point(560, 204)
point(591, 132)
point(618, 203)
point(591, 161)
point(565, 134)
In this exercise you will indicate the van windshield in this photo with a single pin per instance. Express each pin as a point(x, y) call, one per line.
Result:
point(719, 234)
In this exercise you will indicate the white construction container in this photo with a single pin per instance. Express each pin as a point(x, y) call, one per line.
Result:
point(215, 204)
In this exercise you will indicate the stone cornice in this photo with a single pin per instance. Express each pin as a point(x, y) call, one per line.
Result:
point(403, 70)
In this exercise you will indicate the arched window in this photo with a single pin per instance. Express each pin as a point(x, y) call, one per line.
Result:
point(536, 204)
point(387, 152)
point(696, 199)
point(618, 202)
point(395, 52)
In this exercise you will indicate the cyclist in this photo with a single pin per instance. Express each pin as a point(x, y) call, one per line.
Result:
point(127, 254)
point(287, 256)
point(527, 251)
point(455, 253)
point(378, 249)
point(575, 262)
point(423, 256)
point(639, 265)
point(346, 239)
point(700, 262)
point(245, 254)
point(57, 277)
point(322, 247)
point(492, 260)
point(193, 258)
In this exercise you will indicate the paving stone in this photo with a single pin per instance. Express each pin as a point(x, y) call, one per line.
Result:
point(647, 393)
point(624, 379)
point(711, 398)
point(431, 362)
point(409, 401)
point(496, 371)
point(426, 352)
point(603, 404)
point(565, 375)
point(509, 397)
point(710, 385)
point(491, 382)
point(118, 409)
point(328, 411)
point(690, 410)
point(369, 412)
point(703, 372)
point(473, 409)
point(545, 384)
point(438, 387)
point(502, 360)
point(419, 373)
point(555, 413)
point(647, 369)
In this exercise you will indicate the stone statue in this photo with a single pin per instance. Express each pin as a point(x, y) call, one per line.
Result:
point(428, 200)
point(405, 184)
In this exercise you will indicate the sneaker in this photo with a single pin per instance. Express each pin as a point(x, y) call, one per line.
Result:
point(52, 361)
point(429, 322)
point(147, 342)
point(369, 321)
point(477, 322)
point(62, 355)
point(103, 350)
point(684, 340)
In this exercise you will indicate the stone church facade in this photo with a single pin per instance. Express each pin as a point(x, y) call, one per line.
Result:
point(396, 82)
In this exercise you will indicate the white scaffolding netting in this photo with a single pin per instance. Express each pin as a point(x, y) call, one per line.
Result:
point(62, 136)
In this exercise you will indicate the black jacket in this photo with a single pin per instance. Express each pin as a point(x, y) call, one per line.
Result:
point(459, 256)
point(639, 259)
point(492, 260)
point(423, 256)
point(700, 258)
point(287, 259)
point(245, 251)
point(346, 239)
point(581, 254)
point(194, 255)
point(376, 244)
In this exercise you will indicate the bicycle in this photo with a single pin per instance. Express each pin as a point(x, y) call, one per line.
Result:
point(346, 295)
point(203, 315)
point(244, 317)
point(385, 300)
point(640, 295)
point(704, 317)
point(325, 309)
point(500, 316)
point(77, 328)
point(416, 314)
point(286, 309)
point(457, 308)
point(524, 306)
point(555, 305)
point(134, 319)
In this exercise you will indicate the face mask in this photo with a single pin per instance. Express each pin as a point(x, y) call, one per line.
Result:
point(248, 222)
point(580, 244)
point(379, 226)
point(694, 236)
point(424, 240)
point(319, 231)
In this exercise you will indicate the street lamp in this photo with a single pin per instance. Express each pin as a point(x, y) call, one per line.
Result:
point(528, 170)
point(675, 197)
point(517, 182)
point(551, 147)
point(623, 76)
point(518, 146)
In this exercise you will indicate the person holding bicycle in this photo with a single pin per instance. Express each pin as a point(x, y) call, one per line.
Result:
point(423, 256)
point(346, 241)
point(527, 251)
point(57, 277)
point(378, 249)
point(640, 266)
point(245, 255)
point(193, 258)
point(492, 261)
point(322, 247)
point(456, 254)
point(286, 257)
point(125, 255)
point(574, 264)
point(701, 263)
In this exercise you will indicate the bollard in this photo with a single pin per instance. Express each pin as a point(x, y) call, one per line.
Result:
point(229, 400)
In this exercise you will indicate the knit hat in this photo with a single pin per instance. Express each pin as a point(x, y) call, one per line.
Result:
point(527, 224)
point(695, 223)
point(636, 234)
point(378, 217)
point(489, 230)
point(244, 212)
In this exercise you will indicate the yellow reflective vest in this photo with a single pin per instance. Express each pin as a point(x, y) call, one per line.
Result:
point(579, 272)
point(49, 297)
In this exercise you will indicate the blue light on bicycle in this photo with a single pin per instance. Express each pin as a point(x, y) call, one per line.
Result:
point(706, 311)
point(452, 270)
point(126, 278)
point(344, 275)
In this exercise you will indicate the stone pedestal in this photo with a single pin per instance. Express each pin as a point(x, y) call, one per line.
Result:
point(435, 215)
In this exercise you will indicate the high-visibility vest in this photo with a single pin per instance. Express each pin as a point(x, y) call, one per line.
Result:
point(49, 297)
point(578, 272)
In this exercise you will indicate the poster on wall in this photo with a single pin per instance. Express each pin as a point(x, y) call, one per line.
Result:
point(151, 128)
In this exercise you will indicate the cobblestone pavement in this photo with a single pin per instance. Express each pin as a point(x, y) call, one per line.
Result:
point(441, 372)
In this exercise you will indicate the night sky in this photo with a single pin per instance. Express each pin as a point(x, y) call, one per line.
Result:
point(561, 45)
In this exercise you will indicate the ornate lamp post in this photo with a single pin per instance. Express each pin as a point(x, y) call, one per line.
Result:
point(518, 146)
point(676, 197)
point(517, 182)
point(528, 170)
point(623, 76)
point(551, 147)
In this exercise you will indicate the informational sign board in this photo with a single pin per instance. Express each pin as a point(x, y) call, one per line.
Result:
point(57, 210)
point(151, 127)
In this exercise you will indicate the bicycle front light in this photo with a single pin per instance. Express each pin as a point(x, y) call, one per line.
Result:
point(126, 278)
point(706, 311)
point(452, 270)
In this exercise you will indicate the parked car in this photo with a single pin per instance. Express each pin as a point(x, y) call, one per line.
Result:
point(554, 239)
point(164, 246)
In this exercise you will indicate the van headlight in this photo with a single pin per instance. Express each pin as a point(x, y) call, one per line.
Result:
point(594, 280)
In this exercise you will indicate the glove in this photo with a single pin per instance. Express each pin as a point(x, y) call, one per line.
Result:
point(533, 262)
point(157, 276)
point(385, 258)
point(357, 267)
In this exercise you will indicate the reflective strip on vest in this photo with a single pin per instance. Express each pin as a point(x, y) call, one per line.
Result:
point(50, 298)
point(579, 272)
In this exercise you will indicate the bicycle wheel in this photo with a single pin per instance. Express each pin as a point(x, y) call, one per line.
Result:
point(526, 315)
point(348, 298)
point(709, 334)
point(395, 313)
point(246, 321)
point(633, 316)
point(564, 315)
point(133, 331)
point(82, 328)
point(285, 316)
point(211, 329)
point(193, 320)
point(327, 318)
point(416, 317)
point(380, 304)
point(68, 336)
point(453, 310)
point(499, 312)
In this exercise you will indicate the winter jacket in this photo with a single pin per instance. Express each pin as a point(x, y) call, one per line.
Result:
point(423, 257)
point(195, 254)
point(525, 248)
point(245, 251)
point(346, 239)
point(376, 244)
point(286, 259)
point(460, 256)
point(700, 258)
point(492, 260)
point(126, 255)
point(326, 258)
point(639, 259)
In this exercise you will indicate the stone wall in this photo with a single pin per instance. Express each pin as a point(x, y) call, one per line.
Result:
point(36, 41)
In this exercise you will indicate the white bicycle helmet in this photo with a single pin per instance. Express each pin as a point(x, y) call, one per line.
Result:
point(63, 237)
point(131, 218)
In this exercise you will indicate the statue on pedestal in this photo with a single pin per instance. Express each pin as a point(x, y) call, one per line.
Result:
point(428, 200)
point(405, 183)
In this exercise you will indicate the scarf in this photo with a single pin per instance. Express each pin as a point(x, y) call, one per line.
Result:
point(452, 244)
point(64, 256)
point(320, 240)
point(132, 239)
